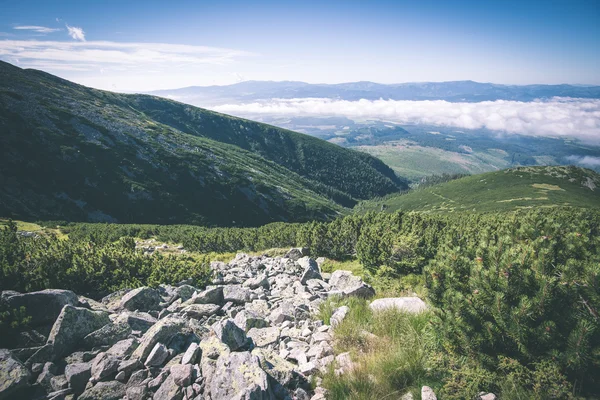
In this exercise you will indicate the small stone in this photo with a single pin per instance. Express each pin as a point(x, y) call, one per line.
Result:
point(427, 393)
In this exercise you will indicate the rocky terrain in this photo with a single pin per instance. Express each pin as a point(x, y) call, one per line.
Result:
point(253, 334)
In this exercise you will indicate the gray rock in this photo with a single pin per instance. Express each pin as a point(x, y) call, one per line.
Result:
point(123, 348)
point(256, 282)
point(339, 315)
point(128, 366)
point(407, 304)
point(182, 374)
point(247, 320)
point(104, 366)
point(209, 296)
point(263, 337)
point(107, 335)
point(199, 311)
point(191, 354)
point(213, 348)
point(296, 253)
point(44, 306)
point(137, 378)
point(157, 356)
point(239, 376)
point(136, 392)
point(162, 331)
point(78, 375)
point(230, 334)
point(279, 369)
point(185, 292)
point(45, 377)
point(168, 390)
point(311, 269)
point(72, 325)
point(427, 393)
point(350, 285)
point(487, 396)
point(111, 390)
point(237, 294)
point(58, 383)
point(142, 299)
point(13, 374)
point(138, 321)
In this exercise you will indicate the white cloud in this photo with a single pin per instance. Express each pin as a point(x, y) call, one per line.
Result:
point(555, 117)
point(585, 160)
point(38, 29)
point(76, 33)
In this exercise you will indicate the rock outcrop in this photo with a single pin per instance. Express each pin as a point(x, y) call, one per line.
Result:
point(251, 334)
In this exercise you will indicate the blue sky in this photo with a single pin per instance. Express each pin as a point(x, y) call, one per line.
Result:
point(147, 45)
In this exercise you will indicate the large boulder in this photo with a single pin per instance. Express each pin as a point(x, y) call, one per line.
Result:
point(240, 377)
point(209, 296)
point(44, 306)
point(104, 366)
point(407, 304)
point(72, 325)
point(237, 294)
point(199, 311)
point(311, 269)
point(347, 284)
point(169, 390)
point(138, 321)
point(13, 375)
point(142, 299)
point(107, 335)
point(230, 334)
point(263, 337)
point(162, 332)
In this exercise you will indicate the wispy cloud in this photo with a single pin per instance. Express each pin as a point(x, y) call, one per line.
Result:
point(556, 117)
point(76, 33)
point(36, 28)
point(112, 54)
point(588, 161)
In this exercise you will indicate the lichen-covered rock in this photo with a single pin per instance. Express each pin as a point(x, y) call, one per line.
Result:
point(263, 337)
point(185, 292)
point(278, 368)
point(212, 348)
point(13, 375)
point(348, 284)
point(44, 306)
point(311, 269)
point(182, 374)
point(168, 390)
point(209, 296)
point(407, 304)
point(248, 320)
point(111, 390)
point(138, 321)
point(107, 335)
point(162, 331)
point(72, 325)
point(142, 299)
point(230, 334)
point(240, 377)
point(123, 348)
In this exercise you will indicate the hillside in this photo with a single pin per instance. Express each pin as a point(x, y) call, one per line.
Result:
point(511, 189)
point(76, 153)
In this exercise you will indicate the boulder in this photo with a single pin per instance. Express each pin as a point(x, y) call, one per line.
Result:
point(72, 325)
point(407, 304)
point(311, 269)
point(13, 375)
point(185, 292)
point(248, 320)
point(263, 337)
point(168, 390)
point(162, 331)
point(138, 321)
point(199, 311)
point(348, 284)
point(111, 390)
point(107, 335)
point(104, 366)
point(191, 354)
point(237, 294)
point(78, 375)
point(44, 306)
point(123, 348)
point(240, 377)
point(209, 296)
point(157, 356)
point(182, 374)
point(296, 253)
point(278, 368)
point(213, 348)
point(142, 299)
point(230, 334)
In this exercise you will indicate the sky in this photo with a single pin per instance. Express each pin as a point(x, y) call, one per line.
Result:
point(150, 45)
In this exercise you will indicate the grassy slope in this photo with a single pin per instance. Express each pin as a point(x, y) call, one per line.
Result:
point(71, 152)
point(524, 187)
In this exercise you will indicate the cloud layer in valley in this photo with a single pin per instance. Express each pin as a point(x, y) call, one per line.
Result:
point(586, 161)
point(555, 117)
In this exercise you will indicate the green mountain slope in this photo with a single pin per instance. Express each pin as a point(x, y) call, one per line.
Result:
point(72, 152)
point(510, 189)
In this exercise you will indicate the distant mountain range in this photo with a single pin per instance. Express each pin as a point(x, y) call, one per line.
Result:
point(71, 152)
point(459, 91)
